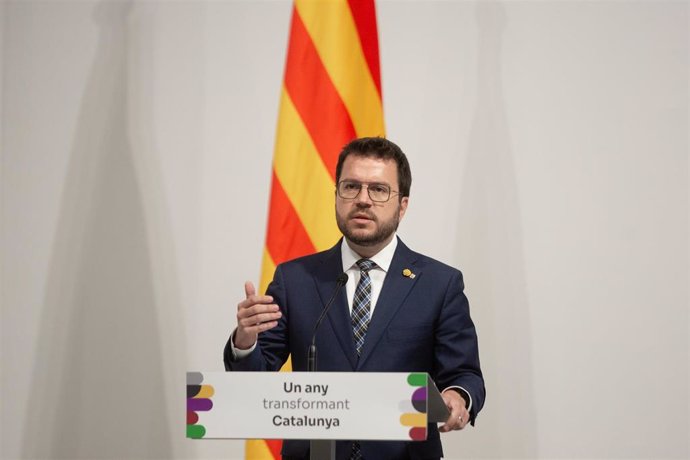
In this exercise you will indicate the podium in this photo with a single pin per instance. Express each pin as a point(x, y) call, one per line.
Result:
point(318, 406)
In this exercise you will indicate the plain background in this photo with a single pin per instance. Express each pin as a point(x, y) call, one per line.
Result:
point(549, 150)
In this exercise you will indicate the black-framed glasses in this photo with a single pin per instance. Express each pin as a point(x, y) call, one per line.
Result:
point(379, 193)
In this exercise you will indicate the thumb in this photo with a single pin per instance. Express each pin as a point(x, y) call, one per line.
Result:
point(249, 289)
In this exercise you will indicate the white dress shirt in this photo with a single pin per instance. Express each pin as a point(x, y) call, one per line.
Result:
point(377, 274)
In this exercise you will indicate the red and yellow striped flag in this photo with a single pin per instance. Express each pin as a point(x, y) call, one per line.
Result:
point(331, 94)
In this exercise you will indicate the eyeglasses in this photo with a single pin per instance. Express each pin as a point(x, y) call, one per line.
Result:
point(379, 193)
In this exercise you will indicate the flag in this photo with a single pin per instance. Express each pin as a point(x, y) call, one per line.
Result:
point(331, 94)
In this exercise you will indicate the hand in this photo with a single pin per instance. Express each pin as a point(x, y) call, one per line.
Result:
point(459, 416)
point(256, 313)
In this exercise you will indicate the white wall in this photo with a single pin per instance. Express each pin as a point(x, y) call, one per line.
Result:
point(549, 148)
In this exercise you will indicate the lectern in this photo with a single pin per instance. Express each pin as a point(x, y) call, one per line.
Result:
point(319, 406)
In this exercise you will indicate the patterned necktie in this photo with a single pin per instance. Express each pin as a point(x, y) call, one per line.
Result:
point(361, 305)
point(361, 313)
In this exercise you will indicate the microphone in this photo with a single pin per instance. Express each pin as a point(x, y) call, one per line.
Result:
point(311, 353)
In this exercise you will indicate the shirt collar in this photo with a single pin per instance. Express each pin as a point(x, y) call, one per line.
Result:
point(383, 258)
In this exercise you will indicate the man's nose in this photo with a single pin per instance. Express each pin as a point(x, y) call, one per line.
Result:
point(363, 198)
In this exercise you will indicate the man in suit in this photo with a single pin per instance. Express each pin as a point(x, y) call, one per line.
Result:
point(400, 311)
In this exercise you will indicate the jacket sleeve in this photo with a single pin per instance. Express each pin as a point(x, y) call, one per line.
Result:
point(456, 356)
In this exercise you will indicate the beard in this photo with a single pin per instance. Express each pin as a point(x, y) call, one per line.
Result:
point(383, 231)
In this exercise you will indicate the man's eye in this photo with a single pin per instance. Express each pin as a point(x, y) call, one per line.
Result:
point(376, 188)
point(351, 186)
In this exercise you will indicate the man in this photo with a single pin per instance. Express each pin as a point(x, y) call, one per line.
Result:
point(399, 312)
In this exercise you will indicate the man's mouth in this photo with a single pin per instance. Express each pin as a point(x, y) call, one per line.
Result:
point(361, 217)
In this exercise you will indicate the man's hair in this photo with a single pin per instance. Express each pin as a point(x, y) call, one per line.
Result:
point(381, 148)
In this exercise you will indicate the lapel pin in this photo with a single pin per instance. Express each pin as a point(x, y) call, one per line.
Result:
point(408, 273)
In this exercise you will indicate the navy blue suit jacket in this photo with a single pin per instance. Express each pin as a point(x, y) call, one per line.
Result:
point(419, 324)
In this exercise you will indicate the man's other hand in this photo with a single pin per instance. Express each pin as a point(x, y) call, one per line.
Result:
point(459, 417)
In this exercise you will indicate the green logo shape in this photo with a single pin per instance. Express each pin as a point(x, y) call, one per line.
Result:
point(196, 431)
point(417, 380)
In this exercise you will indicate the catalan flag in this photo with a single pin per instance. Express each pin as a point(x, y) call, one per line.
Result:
point(331, 94)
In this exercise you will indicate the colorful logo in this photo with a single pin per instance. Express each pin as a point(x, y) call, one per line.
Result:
point(417, 420)
point(198, 400)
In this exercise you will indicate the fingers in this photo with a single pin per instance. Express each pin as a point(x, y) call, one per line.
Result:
point(251, 297)
point(456, 422)
point(255, 314)
point(255, 305)
point(249, 289)
point(459, 416)
point(463, 419)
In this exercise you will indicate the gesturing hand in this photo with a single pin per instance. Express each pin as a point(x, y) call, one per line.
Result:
point(256, 313)
point(459, 417)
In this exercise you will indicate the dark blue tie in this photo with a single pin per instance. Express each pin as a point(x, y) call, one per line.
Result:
point(361, 304)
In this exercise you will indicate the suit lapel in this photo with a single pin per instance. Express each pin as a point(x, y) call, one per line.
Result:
point(395, 289)
point(339, 313)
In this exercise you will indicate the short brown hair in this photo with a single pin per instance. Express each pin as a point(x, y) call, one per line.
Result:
point(382, 148)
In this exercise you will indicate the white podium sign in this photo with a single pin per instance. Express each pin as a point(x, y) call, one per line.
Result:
point(309, 405)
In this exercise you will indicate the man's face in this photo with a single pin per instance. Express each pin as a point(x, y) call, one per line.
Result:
point(362, 221)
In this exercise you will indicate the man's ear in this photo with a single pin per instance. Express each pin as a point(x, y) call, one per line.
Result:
point(403, 206)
